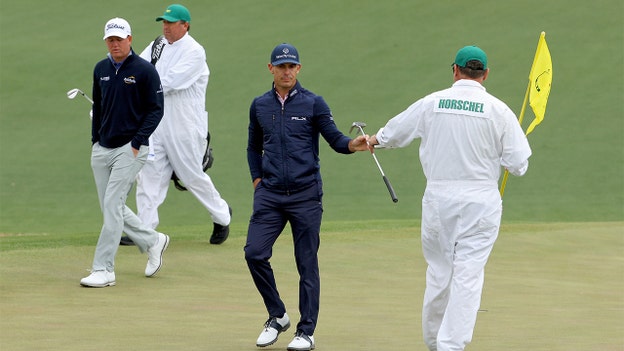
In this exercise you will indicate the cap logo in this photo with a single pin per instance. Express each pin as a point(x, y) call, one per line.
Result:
point(115, 25)
point(168, 11)
point(286, 55)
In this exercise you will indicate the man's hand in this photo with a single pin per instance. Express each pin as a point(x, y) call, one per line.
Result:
point(256, 182)
point(360, 143)
point(135, 152)
point(372, 141)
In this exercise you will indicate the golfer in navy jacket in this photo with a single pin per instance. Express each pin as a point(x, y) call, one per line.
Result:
point(127, 107)
point(283, 154)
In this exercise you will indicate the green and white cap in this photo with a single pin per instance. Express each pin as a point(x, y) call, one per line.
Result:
point(175, 13)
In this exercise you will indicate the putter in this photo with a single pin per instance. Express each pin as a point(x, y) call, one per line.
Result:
point(73, 92)
point(360, 126)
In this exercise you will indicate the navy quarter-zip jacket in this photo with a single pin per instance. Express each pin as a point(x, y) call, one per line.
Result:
point(127, 103)
point(283, 144)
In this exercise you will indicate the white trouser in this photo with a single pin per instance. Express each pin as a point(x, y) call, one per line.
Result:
point(114, 171)
point(460, 223)
point(182, 153)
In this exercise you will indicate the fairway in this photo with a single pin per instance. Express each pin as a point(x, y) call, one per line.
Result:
point(368, 59)
point(555, 280)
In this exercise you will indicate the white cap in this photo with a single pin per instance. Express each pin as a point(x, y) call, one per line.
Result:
point(117, 27)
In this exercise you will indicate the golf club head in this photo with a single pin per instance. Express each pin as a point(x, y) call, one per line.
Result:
point(359, 125)
point(72, 93)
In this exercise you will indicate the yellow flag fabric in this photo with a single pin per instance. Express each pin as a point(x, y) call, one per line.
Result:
point(540, 80)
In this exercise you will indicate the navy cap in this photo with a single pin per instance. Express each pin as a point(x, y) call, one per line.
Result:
point(284, 53)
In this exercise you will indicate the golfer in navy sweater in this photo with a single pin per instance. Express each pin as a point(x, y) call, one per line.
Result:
point(127, 107)
point(283, 154)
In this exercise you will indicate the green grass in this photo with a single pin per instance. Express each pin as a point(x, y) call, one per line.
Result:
point(555, 278)
point(369, 59)
point(549, 287)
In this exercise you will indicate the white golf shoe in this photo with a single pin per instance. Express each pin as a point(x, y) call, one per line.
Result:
point(272, 328)
point(301, 342)
point(154, 255)
point(99, 279)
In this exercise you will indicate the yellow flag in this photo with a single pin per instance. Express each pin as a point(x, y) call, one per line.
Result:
point(540, 79)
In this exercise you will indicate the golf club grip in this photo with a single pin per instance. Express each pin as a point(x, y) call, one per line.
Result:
point(390, 189)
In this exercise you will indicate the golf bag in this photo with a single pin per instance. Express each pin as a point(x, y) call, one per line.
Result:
point(206, 163)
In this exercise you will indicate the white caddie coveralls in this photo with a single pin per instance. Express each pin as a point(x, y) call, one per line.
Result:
point(179, 142)
point(466, 136)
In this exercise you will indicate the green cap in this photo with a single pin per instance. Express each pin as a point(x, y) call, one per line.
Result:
point(469, 53)
point(175, 13)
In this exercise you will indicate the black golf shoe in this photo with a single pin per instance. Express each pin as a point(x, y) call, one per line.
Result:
point(220, 232)
point(126, 241)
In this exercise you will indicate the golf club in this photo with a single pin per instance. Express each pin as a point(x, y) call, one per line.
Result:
point(360, 126)
point(73, 92)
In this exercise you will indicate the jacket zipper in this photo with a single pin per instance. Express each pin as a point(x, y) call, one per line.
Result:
point(284, 155)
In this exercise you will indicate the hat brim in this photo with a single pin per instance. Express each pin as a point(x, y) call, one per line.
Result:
point(279, 62)
point(168, 19)
point(116, 33)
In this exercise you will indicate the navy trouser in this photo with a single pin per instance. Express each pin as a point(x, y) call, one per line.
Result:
point(271, 211)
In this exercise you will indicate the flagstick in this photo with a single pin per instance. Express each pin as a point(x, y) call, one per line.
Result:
point(541, 44)
point(520, 118)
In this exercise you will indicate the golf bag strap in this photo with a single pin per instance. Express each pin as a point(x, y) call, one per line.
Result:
point(157, 48)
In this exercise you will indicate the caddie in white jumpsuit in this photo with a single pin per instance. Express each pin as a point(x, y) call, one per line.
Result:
point(466, 136)
point(179, 143)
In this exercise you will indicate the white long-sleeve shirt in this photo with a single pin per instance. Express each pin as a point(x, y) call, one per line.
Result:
point(466, 134)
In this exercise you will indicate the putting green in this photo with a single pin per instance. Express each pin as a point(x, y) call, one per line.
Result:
point(554, 287)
